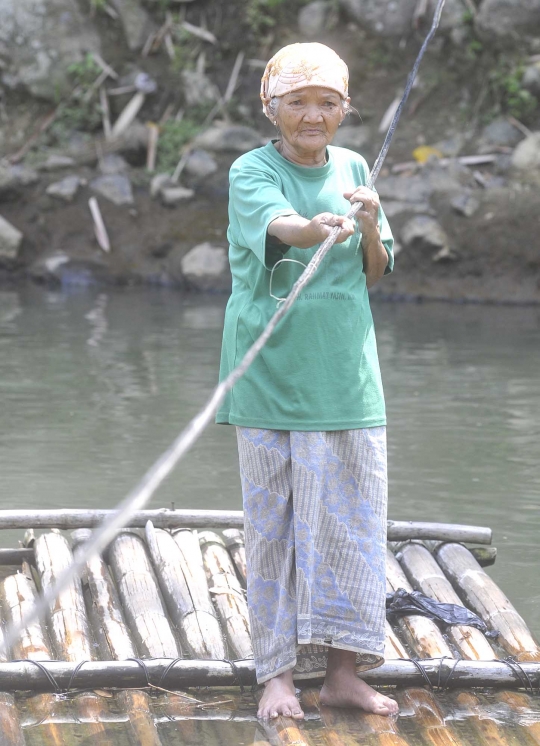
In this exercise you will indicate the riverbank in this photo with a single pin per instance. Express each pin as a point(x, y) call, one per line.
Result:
point(459, 186)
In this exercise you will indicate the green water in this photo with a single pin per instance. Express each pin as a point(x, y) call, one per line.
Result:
point(94, 385)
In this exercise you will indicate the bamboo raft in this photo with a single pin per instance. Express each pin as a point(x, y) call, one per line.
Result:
point(152, 645)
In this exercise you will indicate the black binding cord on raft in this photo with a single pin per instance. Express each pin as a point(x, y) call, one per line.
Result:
point(57, 688)
point(521, 675)
point(137, 498)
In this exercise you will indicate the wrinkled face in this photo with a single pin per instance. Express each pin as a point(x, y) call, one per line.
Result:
point(308, 118)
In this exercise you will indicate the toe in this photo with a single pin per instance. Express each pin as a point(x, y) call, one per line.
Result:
point(298, 715)
point(286, 712)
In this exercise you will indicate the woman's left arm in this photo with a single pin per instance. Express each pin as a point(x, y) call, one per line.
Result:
point(374, 254)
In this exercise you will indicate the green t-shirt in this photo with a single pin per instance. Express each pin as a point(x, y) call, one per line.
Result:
point(319, 370)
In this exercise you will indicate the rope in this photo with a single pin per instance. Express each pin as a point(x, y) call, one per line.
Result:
point(137, 498)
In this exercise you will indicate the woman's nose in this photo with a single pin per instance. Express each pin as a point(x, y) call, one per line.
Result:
point(313, 114)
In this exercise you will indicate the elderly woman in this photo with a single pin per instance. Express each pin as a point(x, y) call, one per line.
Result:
point(310, 412)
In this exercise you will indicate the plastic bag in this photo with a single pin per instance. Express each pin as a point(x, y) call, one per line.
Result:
point(402, 603)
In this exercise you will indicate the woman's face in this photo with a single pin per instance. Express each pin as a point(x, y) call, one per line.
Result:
point(308, 118)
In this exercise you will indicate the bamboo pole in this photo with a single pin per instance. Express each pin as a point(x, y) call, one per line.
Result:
point(426, 575)
point(227, 593)
point(185, 592)
point(523, 705)
point(484, 596)
point(141, 599)
point(16, 556)
point(234, 541)
point(17, 595)
point(11, 733)
point(421, 633)
point(393, 647)
point(69, 629)
point(17, 676)
point(115, 641)
point(71, 518)
point(426, 640)
point(428, 717)
point(487, 730)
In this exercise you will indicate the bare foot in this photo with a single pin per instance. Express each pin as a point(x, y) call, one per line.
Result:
point(279, 698)
point(343, 688)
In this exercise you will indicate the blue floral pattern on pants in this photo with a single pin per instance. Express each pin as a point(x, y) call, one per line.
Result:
point(315, 524)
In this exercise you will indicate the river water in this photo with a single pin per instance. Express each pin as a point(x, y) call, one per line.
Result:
point(95, 384)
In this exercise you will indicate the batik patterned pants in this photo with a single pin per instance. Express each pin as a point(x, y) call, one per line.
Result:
point(315, 532)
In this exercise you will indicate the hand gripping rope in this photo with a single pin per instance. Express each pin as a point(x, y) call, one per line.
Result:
point(141, 494)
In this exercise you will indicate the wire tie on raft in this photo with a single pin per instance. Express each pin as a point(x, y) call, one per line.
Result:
point(443, 687)
point(42, 668)
point(74, 673)
point(171, 665)
point(521, 675)
point(420, 669)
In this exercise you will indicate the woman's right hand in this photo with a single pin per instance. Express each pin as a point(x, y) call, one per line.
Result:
point(321, 226)
point(294, 230)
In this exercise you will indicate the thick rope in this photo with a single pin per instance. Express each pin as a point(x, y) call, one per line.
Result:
point(141, 494)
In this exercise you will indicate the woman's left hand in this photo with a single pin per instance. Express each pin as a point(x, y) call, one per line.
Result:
point(369, 214)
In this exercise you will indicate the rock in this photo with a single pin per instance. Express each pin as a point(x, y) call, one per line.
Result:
point(382, 17)
point(10, 240)
point(452, 146)
point(465, 204)
point(393, 208)
point(441, 181)
point(56, 162)
point(113, 164)
point(508, 21)
point(60, 268)
point(354, 137)
point(39, 40)
point(313, 18)
point(14, 178)
point(446, 254)
point(172, 195)
point(453, 20)
point(498, 133)
point(198, 88)
point(526, 157)
point(425, 232)
point(115, 187)
point(404, 188)
point(159, 182)
point(200, 164)
point(531, 78)
point(136, 22)
point(205, 267)
point(234, 137)
point(66, 189)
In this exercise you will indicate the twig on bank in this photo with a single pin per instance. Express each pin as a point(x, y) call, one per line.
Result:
point(201, 33)
point(45, 123)
point(104, 66)
point(151, 152)
point(100, 231)
point(233, 80)
point(105, 113)
point(186, 150)
point(519, 126)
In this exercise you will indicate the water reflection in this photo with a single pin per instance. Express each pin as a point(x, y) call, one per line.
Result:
point(96, 384)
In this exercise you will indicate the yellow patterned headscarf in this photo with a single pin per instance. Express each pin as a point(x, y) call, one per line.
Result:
point(301, 65)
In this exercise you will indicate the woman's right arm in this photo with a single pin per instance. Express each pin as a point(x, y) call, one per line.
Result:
point(294, 230)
